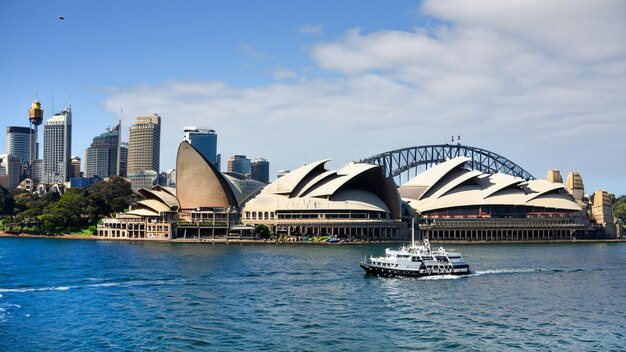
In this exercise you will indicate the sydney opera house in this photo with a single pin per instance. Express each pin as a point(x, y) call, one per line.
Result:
point(457, 203)
point(354, 202)
point(358, 201)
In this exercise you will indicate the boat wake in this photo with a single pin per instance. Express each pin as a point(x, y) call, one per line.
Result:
point(72, 287)
point(504, 271)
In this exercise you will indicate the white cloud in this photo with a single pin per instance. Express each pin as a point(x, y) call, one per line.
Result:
point(551, 100)
point(311, 29)
point(284, 74)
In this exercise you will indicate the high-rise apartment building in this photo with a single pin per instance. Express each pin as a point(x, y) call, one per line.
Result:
point(21, 143)
point(144, 144)
point(102, 157)
point(239, 164)
point(260, 170)
point(204, 140)
point(57, 147)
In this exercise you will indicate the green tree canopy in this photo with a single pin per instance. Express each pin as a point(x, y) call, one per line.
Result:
point(7, 203)
point(67, 213)
point(619, 208)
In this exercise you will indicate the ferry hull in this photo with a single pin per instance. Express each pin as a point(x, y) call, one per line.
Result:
point(460, 269)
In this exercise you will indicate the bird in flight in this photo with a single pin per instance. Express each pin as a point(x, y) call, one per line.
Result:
point(61, 18)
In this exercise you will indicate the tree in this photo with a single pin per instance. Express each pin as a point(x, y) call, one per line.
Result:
point(619, 208)
point(108, 197)
point(67, 213)
point(7, 203)
point(263, 231)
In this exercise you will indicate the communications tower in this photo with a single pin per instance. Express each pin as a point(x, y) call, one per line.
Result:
point(35, 115)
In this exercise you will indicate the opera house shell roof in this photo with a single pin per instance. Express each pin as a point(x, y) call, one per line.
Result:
point(157, 201)
point(354, 187)
point(451, 185)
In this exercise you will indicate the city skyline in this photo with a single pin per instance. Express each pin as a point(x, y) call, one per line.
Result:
point(541, 84)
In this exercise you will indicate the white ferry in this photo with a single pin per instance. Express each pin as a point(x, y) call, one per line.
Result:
point(416, 260)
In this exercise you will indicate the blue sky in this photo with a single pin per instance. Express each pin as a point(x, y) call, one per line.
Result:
point(540, 82)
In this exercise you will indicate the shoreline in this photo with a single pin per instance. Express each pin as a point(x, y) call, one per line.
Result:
point(266, 242)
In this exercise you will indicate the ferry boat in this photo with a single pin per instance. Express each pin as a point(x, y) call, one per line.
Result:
point(416, 260)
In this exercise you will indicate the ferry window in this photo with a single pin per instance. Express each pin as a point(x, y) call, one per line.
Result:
point(267, 217)
point(254, 214)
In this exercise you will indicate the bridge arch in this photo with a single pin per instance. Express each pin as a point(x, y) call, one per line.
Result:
point(397, 162)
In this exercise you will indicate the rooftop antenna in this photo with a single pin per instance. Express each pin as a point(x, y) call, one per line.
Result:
point(53, 113)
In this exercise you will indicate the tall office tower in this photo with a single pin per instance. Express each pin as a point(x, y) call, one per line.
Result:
point(144, 144)
point(102, 157)
point(21, 143)
point(57, 147)
point(260, 170)
point(239, 164)
point(203, 140)
point(123, 159)
point(75, 167)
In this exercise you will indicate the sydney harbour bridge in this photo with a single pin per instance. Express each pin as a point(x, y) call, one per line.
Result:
point(401, 162)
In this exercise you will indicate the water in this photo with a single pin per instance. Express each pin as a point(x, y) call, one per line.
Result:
point(89, 295)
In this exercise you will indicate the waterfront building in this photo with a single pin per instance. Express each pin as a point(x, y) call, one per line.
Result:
point(152, 218)
point(57, 147)
point(204, 140)
point(239, 164)
point(21, 143)
point(76, 167)
point(144, 144)
point(457, 203)
point(260, 170)
point(356, 202)
point(102, 158)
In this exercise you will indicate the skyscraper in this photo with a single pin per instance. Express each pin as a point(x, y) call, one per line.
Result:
point(204, 140)
point(144, 144)
point(57, 147)
point(123, 159)
point(19, 142)
point(102, 157)
point(260, 170)
point(239, 164)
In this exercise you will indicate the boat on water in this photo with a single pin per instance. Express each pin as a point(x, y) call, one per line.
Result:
point(416, 260)
point(333, 239)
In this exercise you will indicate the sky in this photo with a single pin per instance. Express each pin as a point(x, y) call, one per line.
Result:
point(540, 82)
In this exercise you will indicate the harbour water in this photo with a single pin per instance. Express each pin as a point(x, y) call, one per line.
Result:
point(95, 295)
